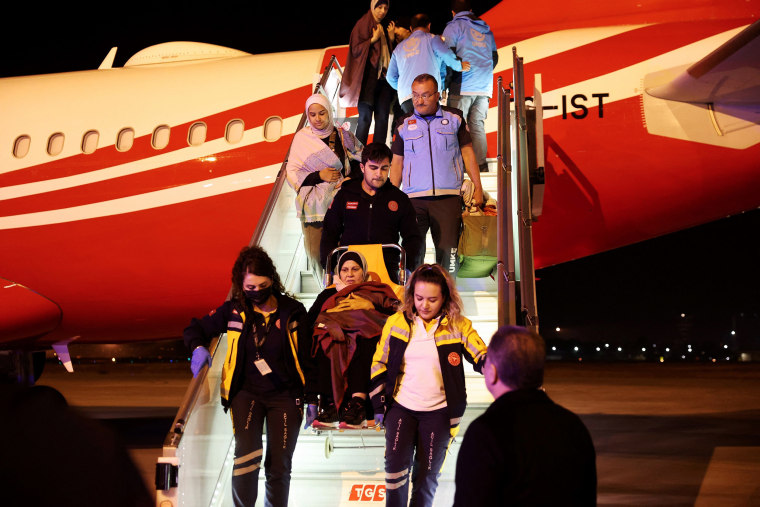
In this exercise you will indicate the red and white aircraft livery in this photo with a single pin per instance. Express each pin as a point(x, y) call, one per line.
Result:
point(126, 193)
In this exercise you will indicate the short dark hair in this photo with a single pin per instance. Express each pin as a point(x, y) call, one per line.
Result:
point(426, 77)
point(518, 355)
point(460, 6)
point(376, 152)
point(419, 20)
point(404, 22)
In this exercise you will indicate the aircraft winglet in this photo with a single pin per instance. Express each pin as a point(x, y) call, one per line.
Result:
point(108, 60)
point(729, 75)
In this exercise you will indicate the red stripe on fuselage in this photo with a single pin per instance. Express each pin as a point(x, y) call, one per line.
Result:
point(136, 276)
point(624, 185)
point(183, 173)
point(616, 52)
point(254, 114)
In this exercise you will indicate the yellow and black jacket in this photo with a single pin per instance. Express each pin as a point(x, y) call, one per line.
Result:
point(452, 342)
point(230, 318)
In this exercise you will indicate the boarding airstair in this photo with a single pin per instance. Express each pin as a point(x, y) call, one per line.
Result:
point(331, 468)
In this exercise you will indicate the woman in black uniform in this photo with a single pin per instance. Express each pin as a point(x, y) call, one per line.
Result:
point(263, 376)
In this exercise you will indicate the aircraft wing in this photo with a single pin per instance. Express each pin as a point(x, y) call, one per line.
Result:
point(728, 75)
point(25, 314)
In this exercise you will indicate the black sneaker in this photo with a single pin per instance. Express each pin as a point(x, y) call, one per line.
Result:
point(354, 414)
point(327, 417)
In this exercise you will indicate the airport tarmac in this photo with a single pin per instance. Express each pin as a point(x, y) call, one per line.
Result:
point(665, 434)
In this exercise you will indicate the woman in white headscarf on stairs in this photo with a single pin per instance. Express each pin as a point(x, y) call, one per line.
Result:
point(320, 160)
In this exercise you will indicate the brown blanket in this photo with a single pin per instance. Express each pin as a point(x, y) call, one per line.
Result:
point(357, 312)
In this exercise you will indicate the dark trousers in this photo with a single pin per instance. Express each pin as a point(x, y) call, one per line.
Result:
point(381, 109)
point(357, 373)
point(417, 440)
point(443, 216)
point(283, 420)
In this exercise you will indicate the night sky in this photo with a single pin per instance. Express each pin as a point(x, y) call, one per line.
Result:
point(634, 294)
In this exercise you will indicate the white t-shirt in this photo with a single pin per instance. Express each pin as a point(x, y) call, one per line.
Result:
point(420, 383)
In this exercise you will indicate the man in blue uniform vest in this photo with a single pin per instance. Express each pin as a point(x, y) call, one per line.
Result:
point(432, 150)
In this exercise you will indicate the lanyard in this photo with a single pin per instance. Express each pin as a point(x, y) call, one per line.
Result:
point(258, 341)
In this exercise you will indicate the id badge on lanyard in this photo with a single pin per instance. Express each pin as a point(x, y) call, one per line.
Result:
point(260, 362)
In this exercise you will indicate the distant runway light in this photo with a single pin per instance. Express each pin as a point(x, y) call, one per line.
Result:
point(683, 315)
point(575, 349)
point(620, 349)
point(598, 349)
point(667, 349)
point(554, 348)
point(725, 346)
point(662, 359)
point(556, 329)
point(733, 333)
point(113, 359)
point(643, 349)
point(607, 345)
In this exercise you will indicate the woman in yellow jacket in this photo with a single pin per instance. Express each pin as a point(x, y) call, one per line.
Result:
point(417, 383)
point(264, 374)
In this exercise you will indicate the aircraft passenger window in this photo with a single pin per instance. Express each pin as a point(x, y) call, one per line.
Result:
point(125, 139)
point(234, 131)
point(21, 146)
point(90, 141)
point(55, 144)
point(160, 137)
point(197, 134)
point(273, 128)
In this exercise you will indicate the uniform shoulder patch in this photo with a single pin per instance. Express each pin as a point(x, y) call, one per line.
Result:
point(393, 205)
point(454, 359)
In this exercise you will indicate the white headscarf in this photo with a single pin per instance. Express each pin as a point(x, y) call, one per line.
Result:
point(320, 99)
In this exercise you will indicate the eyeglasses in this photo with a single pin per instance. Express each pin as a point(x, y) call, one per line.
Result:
point(425, 96)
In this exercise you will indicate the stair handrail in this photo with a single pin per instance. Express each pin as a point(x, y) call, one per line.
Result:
point(166, 473)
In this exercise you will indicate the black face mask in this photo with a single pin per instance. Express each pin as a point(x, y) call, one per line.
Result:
point(258, 296)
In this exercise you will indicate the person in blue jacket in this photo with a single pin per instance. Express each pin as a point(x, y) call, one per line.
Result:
point(471, 39)
point(420, 53)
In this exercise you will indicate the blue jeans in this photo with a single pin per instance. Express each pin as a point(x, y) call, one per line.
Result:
point(475, 109)
point(424, 436)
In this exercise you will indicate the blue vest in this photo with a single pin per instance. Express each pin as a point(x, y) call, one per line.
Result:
point(433, 163)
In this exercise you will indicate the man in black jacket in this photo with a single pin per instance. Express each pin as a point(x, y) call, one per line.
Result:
point(373, 210)
point(525, 449)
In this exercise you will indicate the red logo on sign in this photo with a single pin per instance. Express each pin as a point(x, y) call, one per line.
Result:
point(367, 493)
point(352, 204)
point(393, 206)
point(454, 359)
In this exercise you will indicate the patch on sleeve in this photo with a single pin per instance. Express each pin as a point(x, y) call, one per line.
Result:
point(412, 121)
point(454, 359)
point(393, 205)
